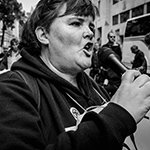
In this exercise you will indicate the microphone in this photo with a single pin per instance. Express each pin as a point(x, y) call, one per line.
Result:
point(108, 57)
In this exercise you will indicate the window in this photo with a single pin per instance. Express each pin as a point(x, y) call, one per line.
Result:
point(138, 27)
point(99, 3)
point(115, 1)
point(124, 16)
point(115, 19)
point(138, 11)
point(148, 7)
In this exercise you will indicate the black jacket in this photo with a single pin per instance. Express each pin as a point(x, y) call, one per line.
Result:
point(139, 60)
point(24, 127)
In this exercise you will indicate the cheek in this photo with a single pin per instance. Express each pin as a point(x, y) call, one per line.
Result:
point(67, 38)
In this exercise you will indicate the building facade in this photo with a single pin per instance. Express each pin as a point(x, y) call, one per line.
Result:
point(114, 13)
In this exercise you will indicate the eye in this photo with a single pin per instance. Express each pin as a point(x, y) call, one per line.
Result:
point(76, 23)
point(92, 28)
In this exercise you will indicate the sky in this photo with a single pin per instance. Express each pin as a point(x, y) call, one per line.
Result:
point(27, 4)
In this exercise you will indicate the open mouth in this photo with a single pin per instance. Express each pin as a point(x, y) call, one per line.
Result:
point(88, 49)
point(88, 46)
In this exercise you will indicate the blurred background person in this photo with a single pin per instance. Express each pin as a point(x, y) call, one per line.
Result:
point(94, 69)
point(1, 54)
point(147, 40)
point(4, 61)
point(11, 55)
point(112, 44)
point(139, 62)
point(111, 80)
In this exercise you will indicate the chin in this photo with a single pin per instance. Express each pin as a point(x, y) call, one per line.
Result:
point(86, 66)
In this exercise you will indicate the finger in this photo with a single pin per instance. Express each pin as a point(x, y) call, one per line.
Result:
point(146, 89)
point(130, 75)
point(141, 80)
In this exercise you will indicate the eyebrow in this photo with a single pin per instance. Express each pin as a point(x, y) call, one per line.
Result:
point(80, 18)
point(77, 17)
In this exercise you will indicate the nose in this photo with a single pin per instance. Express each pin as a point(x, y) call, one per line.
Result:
point(88, 33)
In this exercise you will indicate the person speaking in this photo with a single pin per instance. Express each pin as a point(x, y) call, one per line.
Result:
point(48, 102)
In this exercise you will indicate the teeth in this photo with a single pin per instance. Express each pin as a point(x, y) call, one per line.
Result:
point(88, 46)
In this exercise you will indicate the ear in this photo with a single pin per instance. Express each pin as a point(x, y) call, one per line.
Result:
point(41, 35)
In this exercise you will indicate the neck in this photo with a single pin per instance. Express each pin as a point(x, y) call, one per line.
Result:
point(70, 78)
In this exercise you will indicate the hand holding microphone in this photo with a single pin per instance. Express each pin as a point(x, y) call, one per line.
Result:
point(134, 92)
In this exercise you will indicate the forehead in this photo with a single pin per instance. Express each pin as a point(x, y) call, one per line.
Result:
point(78, 8)
point(133, 47)
point(62, 13)
point(111, 34)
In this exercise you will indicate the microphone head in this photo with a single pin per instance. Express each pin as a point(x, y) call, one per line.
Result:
point(109, 59)
point(104, 53)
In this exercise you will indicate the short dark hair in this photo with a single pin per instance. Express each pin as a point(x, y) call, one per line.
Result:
point(110, 33)
point(134, 47)
point(45, 13)
point(14, 41)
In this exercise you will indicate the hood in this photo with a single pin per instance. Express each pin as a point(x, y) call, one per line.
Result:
point(37, 68)
point(46, 78)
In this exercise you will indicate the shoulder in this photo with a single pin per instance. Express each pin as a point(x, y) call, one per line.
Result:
point(116, 44)
point(141, 53)
point(105, 45)
point(7, 75)
point(11, 78)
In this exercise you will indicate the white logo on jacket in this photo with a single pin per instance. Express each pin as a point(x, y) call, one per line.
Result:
point(78, 117)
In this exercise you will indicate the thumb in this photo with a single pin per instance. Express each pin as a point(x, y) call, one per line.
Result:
point(130, 75)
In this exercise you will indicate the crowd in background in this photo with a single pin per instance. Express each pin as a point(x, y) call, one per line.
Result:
point(104, 75)
point(48, 102)
point(9, 55)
